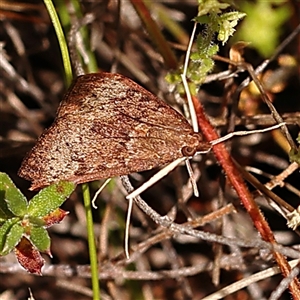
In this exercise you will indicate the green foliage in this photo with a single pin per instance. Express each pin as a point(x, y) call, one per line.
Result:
point(50, 198)
point(9, 235)
point(226, 23)
point(40, 238)
point(262, 27)
point(12, 202)
point(210, 6)
point(216, 24)
point(21, 221)
point(210, 13)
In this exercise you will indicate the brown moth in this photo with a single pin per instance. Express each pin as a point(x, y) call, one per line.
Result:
point(106, 126)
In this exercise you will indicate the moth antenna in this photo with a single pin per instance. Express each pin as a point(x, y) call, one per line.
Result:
point(160, 174)
point(242, 133)
point(129, 211)
point(192, 178)
point(99, 191)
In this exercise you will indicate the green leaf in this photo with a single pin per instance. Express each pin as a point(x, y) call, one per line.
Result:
point(204, 42)
point(5, 213)
point(50, 198)
point(10, 235)
point(207, 65)
point(227, 22)
point(4, 230)
point(173, 78)
point(212, 50)
point(12, 201)
point(40, 238)
point(208, 6)
point(196, 56)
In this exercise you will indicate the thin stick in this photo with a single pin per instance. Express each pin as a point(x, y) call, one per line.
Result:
point(284, 283)
point(185, 84)
point(192, 178)
point(247, 281)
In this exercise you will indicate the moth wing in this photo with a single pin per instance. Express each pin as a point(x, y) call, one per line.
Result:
point(107, 125)
point(82, 149)
point(104, 93)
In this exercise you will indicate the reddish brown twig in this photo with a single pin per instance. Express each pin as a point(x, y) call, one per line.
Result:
point(235, 178)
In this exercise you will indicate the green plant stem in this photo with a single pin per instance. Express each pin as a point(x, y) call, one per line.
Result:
point(91, 241)
point(61, 39)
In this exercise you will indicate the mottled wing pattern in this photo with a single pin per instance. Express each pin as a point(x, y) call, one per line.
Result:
point(107, 126)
